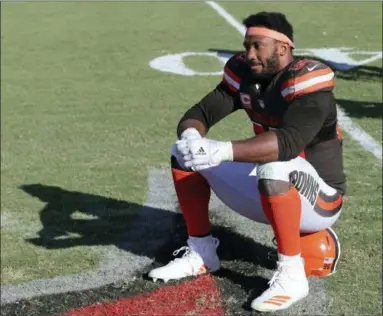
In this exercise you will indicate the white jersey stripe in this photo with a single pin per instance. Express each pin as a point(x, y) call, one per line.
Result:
point(305, 84)
point(231, 81)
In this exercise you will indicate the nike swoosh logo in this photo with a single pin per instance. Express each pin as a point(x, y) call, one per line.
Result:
point(312, 68)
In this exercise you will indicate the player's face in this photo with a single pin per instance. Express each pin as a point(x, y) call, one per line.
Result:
point(261, 53)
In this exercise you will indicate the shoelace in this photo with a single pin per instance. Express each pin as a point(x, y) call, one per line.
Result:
point(189, 255)
point(186, 248)
point(277, 277)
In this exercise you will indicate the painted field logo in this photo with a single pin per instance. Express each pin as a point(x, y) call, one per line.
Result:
point(340, 58)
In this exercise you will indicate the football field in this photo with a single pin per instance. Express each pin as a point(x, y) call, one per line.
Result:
point(91, 94)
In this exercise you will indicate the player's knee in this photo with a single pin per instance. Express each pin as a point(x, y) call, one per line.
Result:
point(269, 187)
point(278, 170)
point(273, 178)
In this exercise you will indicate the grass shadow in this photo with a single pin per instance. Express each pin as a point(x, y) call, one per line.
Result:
point(129, 226)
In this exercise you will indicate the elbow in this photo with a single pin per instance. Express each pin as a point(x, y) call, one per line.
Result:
point(179, 129)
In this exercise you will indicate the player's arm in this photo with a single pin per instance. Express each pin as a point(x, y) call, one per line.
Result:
point(309, 96)
point(302, 121)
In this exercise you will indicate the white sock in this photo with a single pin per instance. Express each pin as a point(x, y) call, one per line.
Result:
point(201, 241)
point(208, 237)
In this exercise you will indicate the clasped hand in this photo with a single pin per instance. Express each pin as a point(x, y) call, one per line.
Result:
point(201, 153)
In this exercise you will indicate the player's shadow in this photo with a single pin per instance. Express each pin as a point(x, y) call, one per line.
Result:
point(342, 71)
point(71, 218)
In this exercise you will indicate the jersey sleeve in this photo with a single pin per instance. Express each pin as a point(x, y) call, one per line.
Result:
point(221, 101)
point(302, 121)
point(233, 72)
point(305, 77)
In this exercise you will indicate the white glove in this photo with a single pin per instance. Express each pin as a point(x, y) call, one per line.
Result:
point(186, 136)
point(191, 133)
point(206, 153)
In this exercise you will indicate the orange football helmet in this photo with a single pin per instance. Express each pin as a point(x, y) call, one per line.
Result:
point(321, 252)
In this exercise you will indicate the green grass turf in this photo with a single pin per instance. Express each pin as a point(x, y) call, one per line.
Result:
point(82, 110)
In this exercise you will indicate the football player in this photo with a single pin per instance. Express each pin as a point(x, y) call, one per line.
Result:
point(289, 175)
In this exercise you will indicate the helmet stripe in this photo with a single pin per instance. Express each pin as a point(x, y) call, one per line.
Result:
point(337, 248)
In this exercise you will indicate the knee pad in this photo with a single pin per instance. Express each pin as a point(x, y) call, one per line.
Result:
point(273, 171)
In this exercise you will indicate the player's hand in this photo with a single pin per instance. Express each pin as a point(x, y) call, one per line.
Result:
point(191, 133)
point(206, 153)
point(186, 136)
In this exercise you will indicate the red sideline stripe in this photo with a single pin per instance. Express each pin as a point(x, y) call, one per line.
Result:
point(197, 297)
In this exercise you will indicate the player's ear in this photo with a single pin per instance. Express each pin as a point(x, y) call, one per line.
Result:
point(284, 48)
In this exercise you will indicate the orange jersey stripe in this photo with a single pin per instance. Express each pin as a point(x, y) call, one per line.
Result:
point(305, 77)
point(339, 132)
point(232, 75)
point(231, 80)
point(310, 89)
point(231, 87)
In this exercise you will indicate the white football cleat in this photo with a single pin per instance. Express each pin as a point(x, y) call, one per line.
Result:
point(288, 285)
point(200, 257)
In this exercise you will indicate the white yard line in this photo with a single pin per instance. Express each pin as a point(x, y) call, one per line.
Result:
point(356, 132)
point(228, 17)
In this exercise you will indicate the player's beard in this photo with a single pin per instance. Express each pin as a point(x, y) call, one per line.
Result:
point(272, 64)
point(270, 69)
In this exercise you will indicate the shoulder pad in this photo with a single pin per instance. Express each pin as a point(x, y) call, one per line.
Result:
point(306, 76)
point(233, 71)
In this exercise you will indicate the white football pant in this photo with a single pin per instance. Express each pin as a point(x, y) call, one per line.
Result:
point(236, 185)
